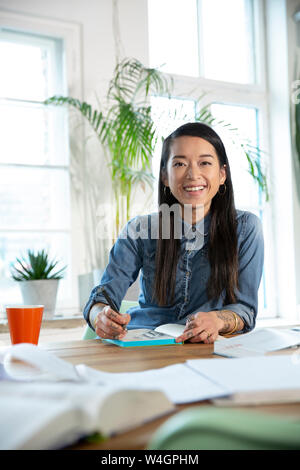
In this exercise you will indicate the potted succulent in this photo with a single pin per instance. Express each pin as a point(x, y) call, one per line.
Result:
point(38, 281)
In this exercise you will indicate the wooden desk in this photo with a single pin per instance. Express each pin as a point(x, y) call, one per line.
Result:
point(108, 357)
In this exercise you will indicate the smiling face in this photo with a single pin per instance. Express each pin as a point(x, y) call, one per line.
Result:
point(194, 174)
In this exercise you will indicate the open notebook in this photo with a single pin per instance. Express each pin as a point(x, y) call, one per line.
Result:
point(162, 335)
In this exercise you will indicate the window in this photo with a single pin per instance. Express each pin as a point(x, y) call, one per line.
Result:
point(173, 42)
point(34, 165)
point(209, 47)
point(209, 38)
point(245, 119)
point(226, 40)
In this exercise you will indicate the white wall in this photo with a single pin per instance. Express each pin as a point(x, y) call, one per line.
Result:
point(95, 18)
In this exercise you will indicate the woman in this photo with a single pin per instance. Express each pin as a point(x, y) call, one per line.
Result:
point(206, 277)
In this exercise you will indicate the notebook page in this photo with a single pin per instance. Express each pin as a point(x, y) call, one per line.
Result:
point(180, 383)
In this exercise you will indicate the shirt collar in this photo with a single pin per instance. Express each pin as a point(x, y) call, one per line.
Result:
point(201, 227)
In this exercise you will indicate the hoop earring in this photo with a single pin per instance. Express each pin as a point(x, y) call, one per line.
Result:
point(165, 190)
point(224, 189)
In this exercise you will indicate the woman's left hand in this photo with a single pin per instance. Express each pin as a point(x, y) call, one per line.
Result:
point(201, 327)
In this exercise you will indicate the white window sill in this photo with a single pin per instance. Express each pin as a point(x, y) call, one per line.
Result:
point(276, 323)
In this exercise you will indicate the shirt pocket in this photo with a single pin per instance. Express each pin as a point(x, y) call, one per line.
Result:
point(201, 266)
point(148, 267)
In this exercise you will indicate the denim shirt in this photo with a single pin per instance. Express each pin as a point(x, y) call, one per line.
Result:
point(134, 254)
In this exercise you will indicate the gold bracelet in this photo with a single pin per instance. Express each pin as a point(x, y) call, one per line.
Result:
point(235, 316)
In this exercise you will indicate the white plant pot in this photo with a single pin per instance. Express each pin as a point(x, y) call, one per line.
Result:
point(41, 292)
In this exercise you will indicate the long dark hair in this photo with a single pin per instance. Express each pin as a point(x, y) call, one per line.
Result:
point(222, 251)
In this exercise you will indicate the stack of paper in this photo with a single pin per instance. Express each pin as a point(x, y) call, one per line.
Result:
point(257, 342)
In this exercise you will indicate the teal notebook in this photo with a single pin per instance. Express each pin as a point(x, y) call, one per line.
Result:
point(162, 335)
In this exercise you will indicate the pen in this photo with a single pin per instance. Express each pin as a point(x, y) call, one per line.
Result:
point(111, 303)
point(108, 299)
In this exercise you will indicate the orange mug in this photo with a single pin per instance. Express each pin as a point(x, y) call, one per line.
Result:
point(24, 323)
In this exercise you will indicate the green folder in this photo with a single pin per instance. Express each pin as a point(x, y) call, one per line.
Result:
point(213, 428)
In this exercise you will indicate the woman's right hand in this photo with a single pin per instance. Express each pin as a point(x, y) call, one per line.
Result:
point(109, 324)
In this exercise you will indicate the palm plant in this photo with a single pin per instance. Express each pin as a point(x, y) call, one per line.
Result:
point(126, 129)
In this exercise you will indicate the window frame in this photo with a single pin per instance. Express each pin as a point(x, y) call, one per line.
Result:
point(71, 36)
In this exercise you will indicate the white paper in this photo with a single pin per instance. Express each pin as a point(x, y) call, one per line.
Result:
point(37, 364)
point(178, 382)
point(257, 342)
point(173, 329)
point(280, 372)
